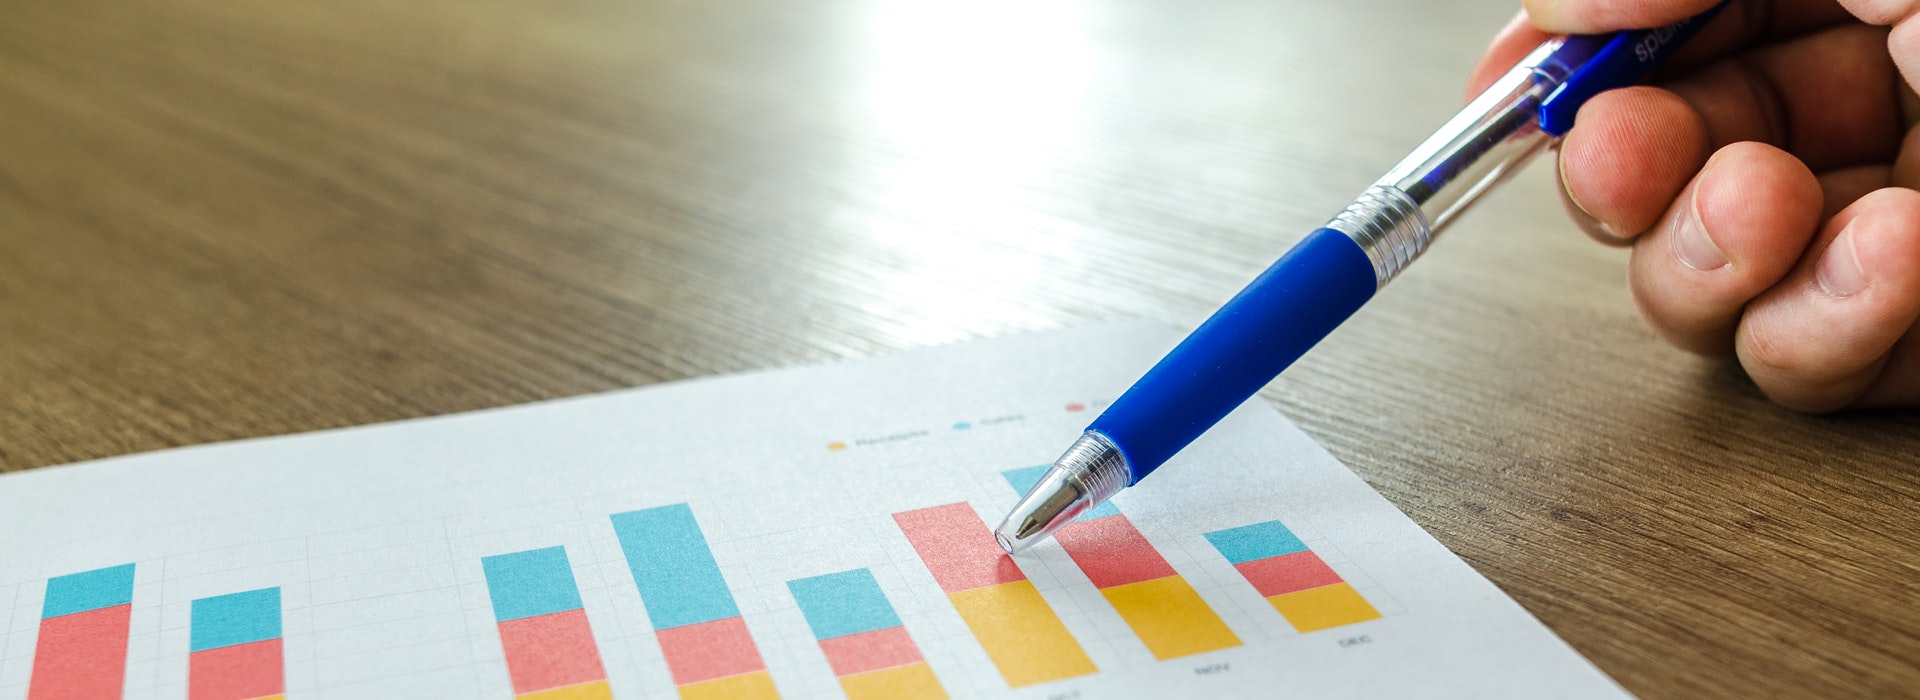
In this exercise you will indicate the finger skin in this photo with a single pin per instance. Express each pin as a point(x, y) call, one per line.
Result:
point(1830, 98)
point(1513, 43)
point(1813, 350)
point(1899, 381)
point(1628, 155)
point(1595, 16)
point(1839, 188)
point(1759, 208)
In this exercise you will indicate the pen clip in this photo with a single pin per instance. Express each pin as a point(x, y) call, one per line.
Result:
point(1621, 59)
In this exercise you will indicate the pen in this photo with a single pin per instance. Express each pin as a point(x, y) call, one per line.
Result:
point(1333, 271)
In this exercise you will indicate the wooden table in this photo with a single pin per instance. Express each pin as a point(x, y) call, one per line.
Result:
point(231, 218)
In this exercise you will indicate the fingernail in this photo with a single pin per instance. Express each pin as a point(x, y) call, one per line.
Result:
point(1692, 245)
point(1839, 271)
point(1600, 230)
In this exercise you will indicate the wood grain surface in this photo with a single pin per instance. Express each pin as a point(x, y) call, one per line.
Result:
point(232, 218)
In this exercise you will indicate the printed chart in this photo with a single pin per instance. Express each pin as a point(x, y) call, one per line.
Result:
point(544, 631)
point(82, 650)
point(1156, 601)
point(863, 638)
point(236, 651)
point(814, 533)
point(705, 641)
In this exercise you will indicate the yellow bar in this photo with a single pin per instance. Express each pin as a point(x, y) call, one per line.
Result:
point(910, 681)
point(1327, 606)
point(1169, 616)
point(746, 686)
point(595, 690)
point(1021, 633)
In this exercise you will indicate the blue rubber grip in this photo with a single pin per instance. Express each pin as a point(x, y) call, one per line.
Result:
point(1263, 329)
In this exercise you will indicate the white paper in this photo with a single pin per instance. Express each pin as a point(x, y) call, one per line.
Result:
point(375, 535)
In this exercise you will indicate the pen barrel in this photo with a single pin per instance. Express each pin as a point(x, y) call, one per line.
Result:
point(1487, 142)
point(1290, 307)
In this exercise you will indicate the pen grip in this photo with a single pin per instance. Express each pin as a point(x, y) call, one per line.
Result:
point(1301, 298)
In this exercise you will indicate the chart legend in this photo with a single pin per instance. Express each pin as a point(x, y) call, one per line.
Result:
point(1157, 602)
point(235, 650)
point(708, 649)
point(1291, 577)
point(1020, 632)
point(543, 627)
point(82, 650)
point(866, 645)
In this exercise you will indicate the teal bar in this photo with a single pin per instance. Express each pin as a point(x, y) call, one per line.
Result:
point(235, 618)
point(88, 590)
point(849, 602)
point(529, 583)
point(1257, 541)
point(679, 581)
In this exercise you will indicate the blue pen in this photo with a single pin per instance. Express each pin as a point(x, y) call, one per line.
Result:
point(1334, 270)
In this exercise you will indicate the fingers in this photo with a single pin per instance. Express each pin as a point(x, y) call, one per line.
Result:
point(1899, 381)
point(1736, 231)
point(1627, 156)
point(1823, 338)
point(1829, 98)
point(1841, 187)
point(1513, 43)
point(1595, 16)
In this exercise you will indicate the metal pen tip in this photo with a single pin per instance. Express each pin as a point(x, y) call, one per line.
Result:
point(1089, 473)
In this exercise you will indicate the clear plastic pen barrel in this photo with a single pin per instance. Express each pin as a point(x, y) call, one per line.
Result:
point(1488, 141)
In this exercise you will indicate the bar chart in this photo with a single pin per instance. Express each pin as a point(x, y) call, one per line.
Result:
point(1307, 592)
point(1157, 603)
point(84, 621)
point(706, 643)
point(236, 652)
point(861, 635)
point(544, 632)
point(1019, 631)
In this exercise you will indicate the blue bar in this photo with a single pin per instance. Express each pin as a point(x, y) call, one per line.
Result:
point(1024, 478)
point(88, 590)
point(529, 583)
point(235, 618)
point(679, 581)
point(849, 602)
point(1257, 541)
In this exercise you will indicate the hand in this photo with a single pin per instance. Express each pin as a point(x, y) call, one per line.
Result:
point(1766, 183)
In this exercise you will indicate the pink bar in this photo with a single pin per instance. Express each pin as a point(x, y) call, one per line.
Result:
point(709, 650)
point(870, 651)
point(1112, 552)
point(82, 655)
point(957, 547)
point(1287, 573)
point(238, 672)
point(549, 651)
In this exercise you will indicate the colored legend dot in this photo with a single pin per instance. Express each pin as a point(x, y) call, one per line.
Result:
point(836, 446)
point(1076, 407)
point(962, 425)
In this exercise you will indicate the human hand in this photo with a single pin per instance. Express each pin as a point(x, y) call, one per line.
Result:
point(1765, 182)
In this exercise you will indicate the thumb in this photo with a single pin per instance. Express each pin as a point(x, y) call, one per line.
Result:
point(1595, 16)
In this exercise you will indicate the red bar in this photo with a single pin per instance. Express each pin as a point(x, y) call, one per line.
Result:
point(1112, 552)
point(550, 651)
point(238, 672)
point(957, 547)
point(1287, 573)
point(870, 651)
point(709, 650)
point(82, 655)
